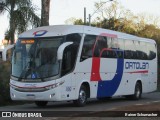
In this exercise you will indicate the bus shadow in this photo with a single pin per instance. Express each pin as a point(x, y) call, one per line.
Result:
point(91, 102)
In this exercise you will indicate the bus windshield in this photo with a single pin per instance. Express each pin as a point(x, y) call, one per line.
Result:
point(36, 58)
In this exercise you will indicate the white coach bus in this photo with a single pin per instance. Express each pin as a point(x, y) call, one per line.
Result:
point(73, 62)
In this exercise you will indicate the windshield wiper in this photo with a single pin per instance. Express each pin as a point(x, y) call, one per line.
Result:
point(30, 69)
point(26, 68)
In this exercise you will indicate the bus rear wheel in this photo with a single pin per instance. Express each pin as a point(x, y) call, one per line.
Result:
point(137, 93)
point(82, 99)
point(41, 103)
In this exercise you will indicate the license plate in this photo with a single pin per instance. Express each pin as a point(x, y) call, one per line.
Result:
point(31, 96)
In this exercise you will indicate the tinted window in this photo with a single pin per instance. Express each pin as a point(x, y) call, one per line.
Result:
point(87, 48)
point(120, 49)
point(75, 38)
point(70, 53)
point(100, 45)
point(107, 47)
point(112, 45)
point(151, 51)
point(129, 52)
point(143, 46)
point(141, 50)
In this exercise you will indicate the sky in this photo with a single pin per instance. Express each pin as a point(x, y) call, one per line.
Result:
point(61, 10)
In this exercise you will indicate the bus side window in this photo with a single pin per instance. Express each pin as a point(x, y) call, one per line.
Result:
point(107, 53)
point(120, 48)
point(151, 51)
point(69, 59)
point(87, 50)
point(75, 38)
point(138, 50)
point(66, 62)
point(143, 50)
point(70, 53)
point(111, 44)
point(129, 52)
point(100, 45)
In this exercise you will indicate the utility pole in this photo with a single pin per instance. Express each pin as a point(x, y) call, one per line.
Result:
point(89, 17)
point(84, 15)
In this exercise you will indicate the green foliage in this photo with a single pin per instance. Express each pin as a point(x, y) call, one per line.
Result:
point(5, 69)
point(4, 83)
point(22, 15)
point(78, 22)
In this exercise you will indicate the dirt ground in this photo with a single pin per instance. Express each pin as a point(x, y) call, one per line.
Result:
point(119, 113)
point(149, 108)
point(145, 108)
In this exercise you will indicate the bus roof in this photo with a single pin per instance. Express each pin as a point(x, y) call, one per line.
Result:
point(59, 30)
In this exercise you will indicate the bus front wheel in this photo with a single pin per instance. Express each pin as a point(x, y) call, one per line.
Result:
point(82, 98)
point(41, 103)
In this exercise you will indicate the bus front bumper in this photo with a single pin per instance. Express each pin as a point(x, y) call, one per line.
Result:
point(50, 95)
point(35, 92)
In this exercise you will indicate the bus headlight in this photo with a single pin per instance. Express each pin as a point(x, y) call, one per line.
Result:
point(54, 85)
point(51, 86)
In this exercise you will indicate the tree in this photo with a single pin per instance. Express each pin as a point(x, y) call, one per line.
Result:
point(74, 21)
point(45, 12)
point(113, 11)
point(22, 14)
point(70, 21)
point(110, 16)
point(79, 22)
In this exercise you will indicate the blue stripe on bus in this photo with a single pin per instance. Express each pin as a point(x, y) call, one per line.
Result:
point(109, 87)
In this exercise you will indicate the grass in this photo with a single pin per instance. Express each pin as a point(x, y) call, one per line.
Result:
point(4, 83)
point(158, 88)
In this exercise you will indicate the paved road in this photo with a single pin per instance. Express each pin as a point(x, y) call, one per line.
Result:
point(59, 110)
point(92, 105)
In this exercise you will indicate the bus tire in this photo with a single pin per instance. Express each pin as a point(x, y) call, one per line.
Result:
point(41, 103)
point(137, 92)
point(82, 97)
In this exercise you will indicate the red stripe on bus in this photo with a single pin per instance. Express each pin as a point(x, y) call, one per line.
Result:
point(143, 71)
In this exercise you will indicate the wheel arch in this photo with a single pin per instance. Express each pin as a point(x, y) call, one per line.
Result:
point(87, 86)
point(79, 101)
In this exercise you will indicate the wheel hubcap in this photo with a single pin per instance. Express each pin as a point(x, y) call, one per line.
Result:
point(82, 96)
point(138, 93)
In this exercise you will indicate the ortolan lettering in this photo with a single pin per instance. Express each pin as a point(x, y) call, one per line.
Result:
point(137, 65)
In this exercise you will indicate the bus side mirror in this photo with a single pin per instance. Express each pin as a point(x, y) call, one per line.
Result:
point(4, 51)
point(61, 49)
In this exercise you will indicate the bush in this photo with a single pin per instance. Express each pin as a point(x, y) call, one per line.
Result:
point(4, 83)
